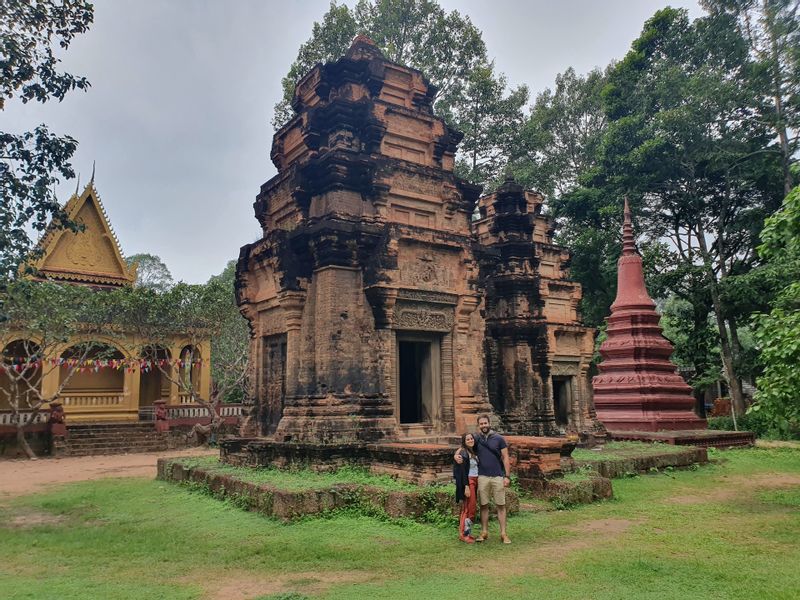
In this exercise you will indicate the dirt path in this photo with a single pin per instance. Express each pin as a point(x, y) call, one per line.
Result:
point(19, 477)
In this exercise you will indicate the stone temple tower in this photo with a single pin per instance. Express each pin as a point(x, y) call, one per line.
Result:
point(638, 388)
point(379, 309)
point(537, 352)
point(362, 293)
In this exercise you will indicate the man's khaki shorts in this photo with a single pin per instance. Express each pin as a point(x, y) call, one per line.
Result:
point(491, 488)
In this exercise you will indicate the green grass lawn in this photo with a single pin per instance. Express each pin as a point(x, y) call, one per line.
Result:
point(727, 530)
point(617, 450)
point(300, 479)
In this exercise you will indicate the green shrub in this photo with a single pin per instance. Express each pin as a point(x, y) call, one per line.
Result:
point(757, 422)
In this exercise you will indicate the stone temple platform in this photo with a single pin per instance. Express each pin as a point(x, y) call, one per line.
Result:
point(702, 438)
point(532, 458)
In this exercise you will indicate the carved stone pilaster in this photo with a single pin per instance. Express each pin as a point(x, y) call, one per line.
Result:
point(382, 301)
point(292, 304)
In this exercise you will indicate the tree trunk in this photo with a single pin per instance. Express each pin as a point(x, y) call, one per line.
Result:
point(21, 441)
point(737, 398)
point(736, 345)
point(699, 324)
point(206, 431)
point(780, 111)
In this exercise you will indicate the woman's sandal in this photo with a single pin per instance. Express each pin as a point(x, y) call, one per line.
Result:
point(482, 537)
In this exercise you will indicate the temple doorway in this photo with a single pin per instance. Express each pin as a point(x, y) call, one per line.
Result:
point(418, 379)
point(562, 399)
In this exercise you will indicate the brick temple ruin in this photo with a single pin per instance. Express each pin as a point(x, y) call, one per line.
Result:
point(382, 308)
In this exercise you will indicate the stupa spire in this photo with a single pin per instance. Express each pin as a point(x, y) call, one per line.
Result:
point(631, 289)
point(628, 241)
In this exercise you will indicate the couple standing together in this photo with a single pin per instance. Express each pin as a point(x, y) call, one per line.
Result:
point(481, 468)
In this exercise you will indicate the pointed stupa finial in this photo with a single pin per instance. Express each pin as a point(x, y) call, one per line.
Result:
point(91, 181)
point(628, 243)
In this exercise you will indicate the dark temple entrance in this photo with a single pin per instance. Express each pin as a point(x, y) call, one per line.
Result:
point(418, 379)
point(562, 397)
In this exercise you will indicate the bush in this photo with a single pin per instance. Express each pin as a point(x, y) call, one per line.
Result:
point(759, 423)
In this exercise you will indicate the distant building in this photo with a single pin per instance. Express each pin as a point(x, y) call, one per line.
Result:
point(110, 392)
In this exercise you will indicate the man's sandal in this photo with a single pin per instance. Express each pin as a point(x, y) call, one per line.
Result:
point(482, 537)
point(505, 539)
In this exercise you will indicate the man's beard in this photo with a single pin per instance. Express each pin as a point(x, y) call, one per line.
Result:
point(485, 429)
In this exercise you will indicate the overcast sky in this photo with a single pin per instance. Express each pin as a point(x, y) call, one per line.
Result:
point(178, 115)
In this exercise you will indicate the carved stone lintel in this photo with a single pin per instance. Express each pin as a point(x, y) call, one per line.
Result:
point(420, 316)
point(564, 369)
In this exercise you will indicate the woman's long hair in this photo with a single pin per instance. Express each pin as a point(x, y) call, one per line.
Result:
point(470, 451)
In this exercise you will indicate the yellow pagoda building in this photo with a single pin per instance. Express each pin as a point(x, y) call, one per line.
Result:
point(92, 257)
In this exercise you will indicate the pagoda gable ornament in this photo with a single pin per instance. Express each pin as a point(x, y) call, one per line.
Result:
point(91, 256)
point(639, 388)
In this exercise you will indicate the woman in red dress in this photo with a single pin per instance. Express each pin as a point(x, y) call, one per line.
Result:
point(466, 476)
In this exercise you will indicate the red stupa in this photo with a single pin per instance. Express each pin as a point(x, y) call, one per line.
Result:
point(638, 388)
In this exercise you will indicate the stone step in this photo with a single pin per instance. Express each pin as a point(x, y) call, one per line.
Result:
point(110, 433)
point(110, 426)
point(121, 442)
point(114, 438)
point(92, 439)
point(81, 433)
point(147, 444)
point(108, 451)
point(125, 443)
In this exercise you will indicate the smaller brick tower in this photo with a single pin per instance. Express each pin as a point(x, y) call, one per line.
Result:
point(537, 352)
point(638, 388)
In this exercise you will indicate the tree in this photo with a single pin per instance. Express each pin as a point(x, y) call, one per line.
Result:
point(555, 146)
point(329, 40)
point(230, 347)
point(417, 33)
point(560, 138)
point(778, 332)
point(684, 140)
point(198, 314)
point(42, 318)
point(490, 120)
point(32, 162)
point(772, 31)
point(590, 227)
point(151, 272)
point(692, 331)
point(446, 47)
